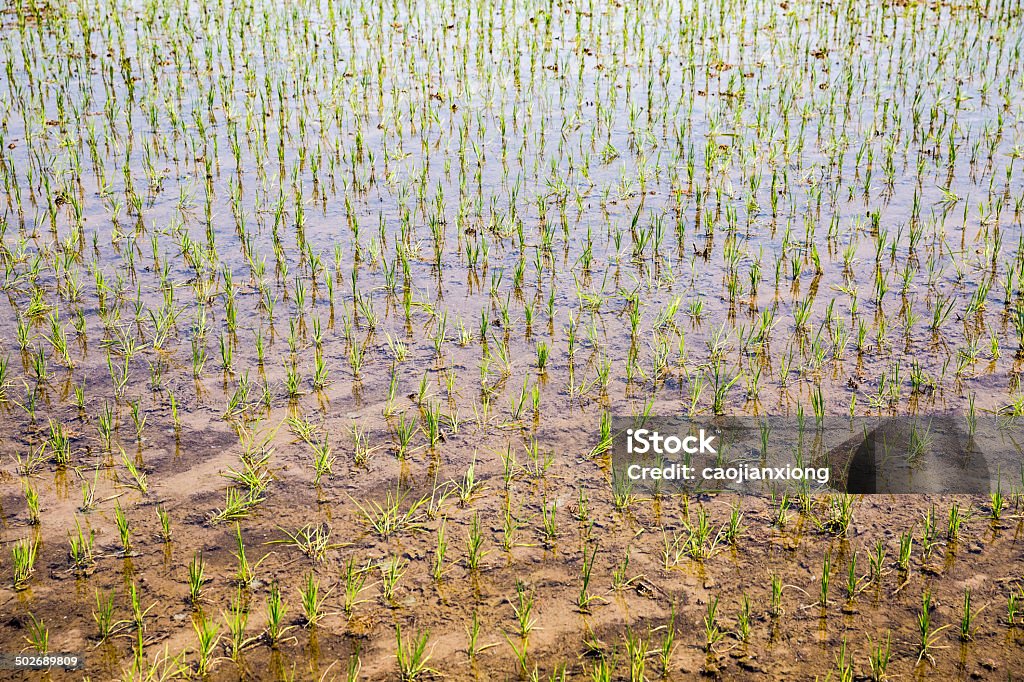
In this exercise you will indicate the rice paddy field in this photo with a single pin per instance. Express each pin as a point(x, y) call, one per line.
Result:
point(316, 314)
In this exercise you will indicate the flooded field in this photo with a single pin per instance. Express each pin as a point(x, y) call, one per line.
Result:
point(316, 317)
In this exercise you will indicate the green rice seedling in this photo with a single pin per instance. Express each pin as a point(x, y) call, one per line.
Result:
point(840, 515)
point(59, 443)
point(355, 579)
point(956, 520)
point(620, 575)
point(106, 426)
point(469, 486)
point(853, 581)
point(292, 381)
point(391, 571)
point(165, 524)
point(237, 619)
point(238, 504)
point(781, 517)
point(743, 620)
point(927, 632)
point(878, 658)
point(312, 601)
point(623, 496)
point(31, 464)
point(137, 478)
point(775, 606)
point(844, 665)
point(138, 613)
point(826, 574)
point(104, 615)
point(967, 627)
point(877, 560)
point(208, 635)
point(602, 671)
point(405, 431)
point(360, 445)
point(175, 417)
point(721, 384)
point(388, 519)
point(700, 544)
point(412, 656)
point(226, 354)
point(245, 576)
point(549, 516)
point(321, 372)
point(196, 579)
point(323, 460)
point(138, 419)
point(734, 528)
point(1013, 606)
point(542, 356)
point(712, 632)
point(123, 530)
point(81, 548)
point(312, 539)
point(473, 632)
point(636, 655)
point(432, 423)
point(523, 609)
point(38, 635)
point(276, 610)
point(604, 443)
point(585, 598)
point(997, 501)
point(32, 504)
point(474, 544)
point(906, 547)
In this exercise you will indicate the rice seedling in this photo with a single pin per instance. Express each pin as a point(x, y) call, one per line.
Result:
point(712, 632)
point(355, 579)
point(523, 609)
point(276, 628)
point(196, 579)
point(906, 547)
point(38, 635)
point(32, 504)
point(312, 601)
point(585, 598)
point(165, 524)
point(323, 460)
point(137, 478)
point(123, 530)
point(927, 632)
point(312, 539)
point(412, 655)
point(391, 571)
point(388, 519)
point(473, 632)
point(1013, 607)
point(208, 636)
point(474, 544)
point(103, 614)
point(238, 504)
point(81, 548)
point(826, 576)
